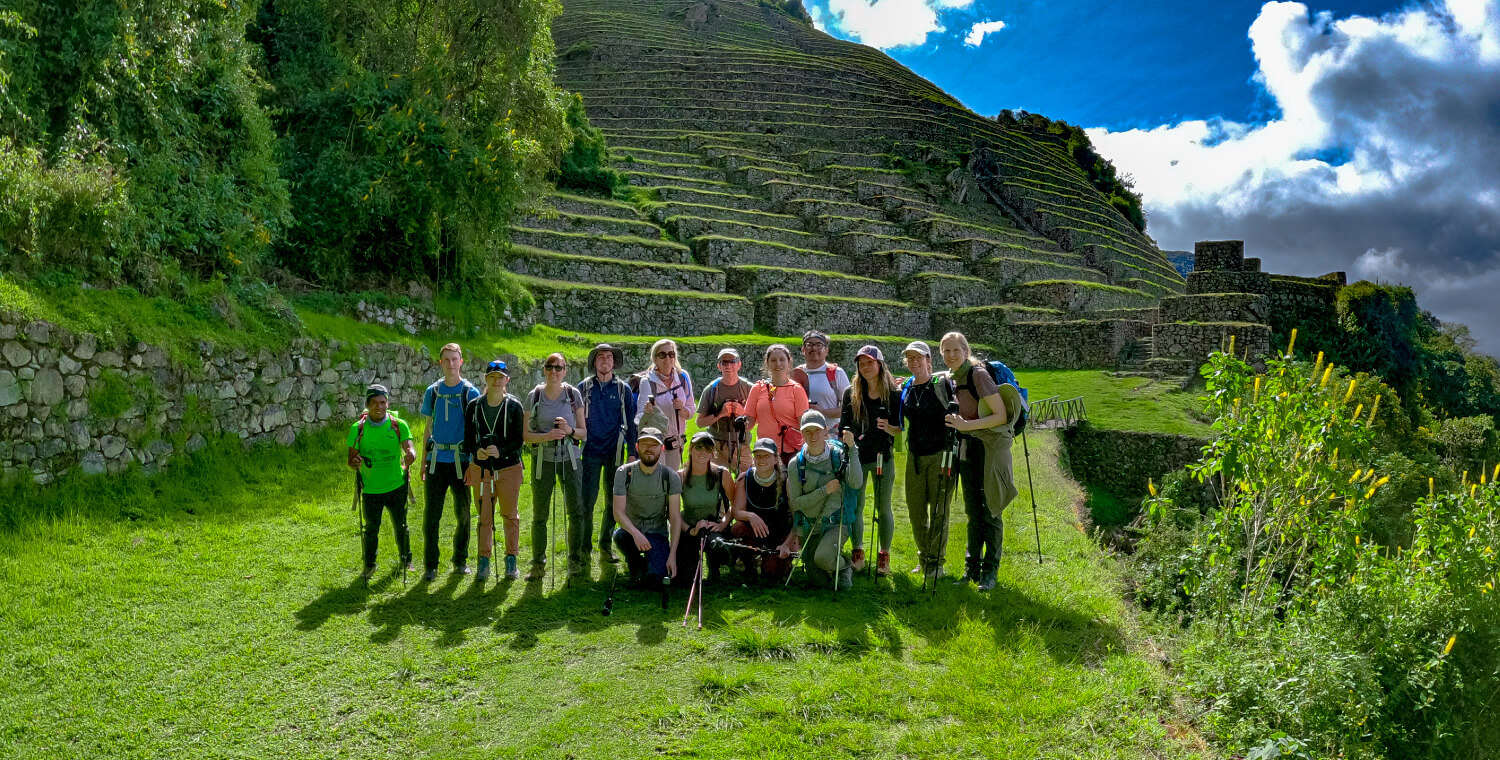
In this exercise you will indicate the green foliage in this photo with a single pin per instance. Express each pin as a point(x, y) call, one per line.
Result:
point(110, 395)
point(412, 129)
point(1118, 190)
point(585, 165)
point(1304, 622)
point(794, 8)
point(131, 139)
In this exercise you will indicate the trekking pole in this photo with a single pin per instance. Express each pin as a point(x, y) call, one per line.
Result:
point(359, 517)
point(1035, 526)
point(696, 587)
point(609, 601)
point(875, 508)
point(406, 471)
point(803, 555)
point(552, 508)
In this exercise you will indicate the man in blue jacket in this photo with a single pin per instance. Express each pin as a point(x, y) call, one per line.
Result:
point(609, 409)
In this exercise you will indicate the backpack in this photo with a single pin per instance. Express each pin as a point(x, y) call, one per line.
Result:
point(661, 468)
point(830, 371)
point(939, 387)
point(1002, 375)
point(622, 387)
point(850, 511)
point(461, 393)
point(658, 419)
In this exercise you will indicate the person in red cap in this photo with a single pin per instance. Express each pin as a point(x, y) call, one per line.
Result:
point(872, 410)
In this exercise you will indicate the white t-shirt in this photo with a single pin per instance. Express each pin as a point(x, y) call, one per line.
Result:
point(820, 393)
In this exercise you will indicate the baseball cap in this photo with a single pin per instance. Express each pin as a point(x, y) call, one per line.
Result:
point(496, 366)
point(651, 434)
point(813, 418)
point(871, 351)
point(919, 347)
point(765, 444)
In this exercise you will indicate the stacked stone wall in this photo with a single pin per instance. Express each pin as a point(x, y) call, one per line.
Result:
point(636, 312)
point(1122, 462)
point(1195, 341)
point(1215, 307)
point(1049, 345)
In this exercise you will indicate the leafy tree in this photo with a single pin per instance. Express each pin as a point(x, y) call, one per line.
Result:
point(412, 129)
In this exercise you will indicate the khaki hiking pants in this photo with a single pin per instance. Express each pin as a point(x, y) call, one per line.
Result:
point(929, 517)
point(505, 486)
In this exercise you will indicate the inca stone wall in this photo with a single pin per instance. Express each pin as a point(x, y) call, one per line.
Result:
point(1189, 340)
point(1050, 345)
point(1214, 307)
point(1122, 462)
point(617, 311)
point(67, 401)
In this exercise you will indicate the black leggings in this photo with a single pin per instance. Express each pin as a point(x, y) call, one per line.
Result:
point(377, 503)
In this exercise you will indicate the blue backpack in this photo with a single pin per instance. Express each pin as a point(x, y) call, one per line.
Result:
point(850, 512)
point(1002, 375)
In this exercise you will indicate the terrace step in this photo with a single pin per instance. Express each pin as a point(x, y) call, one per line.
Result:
point(589, 225)
point(1069, 295)
point(859, 244)
point(1010, 271)
point(838, 225)
point(983, 250)
point(650, 179)
point(722, 252)
point(688, 227)
point(900, 265)
point(551, 265)
point(781, 191)
point(723, 198)
point(635, 311)
point(625, 247)
point(814, 160)
point(853, 175)
point(946, 291)
point(808, 208)
point(790, 313)
point(694, 171)
point(660, 212)
point(758, 280)
point(583, 205)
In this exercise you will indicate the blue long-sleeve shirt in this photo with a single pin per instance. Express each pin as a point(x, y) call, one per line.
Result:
point(602, 402)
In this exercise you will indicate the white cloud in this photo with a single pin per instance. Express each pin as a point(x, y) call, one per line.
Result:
point(889, 24)
point(1410, 104)
point(978, 31)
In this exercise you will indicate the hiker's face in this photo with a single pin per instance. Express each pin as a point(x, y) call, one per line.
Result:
point(377, 406)
point(604, 363)
point(917, 362)
point(648, 451)
point(701, 456)
point(729, 367)
point(778, 362)
point(495, 381)
point(664, 358)
point(869, 369)
point(764, 460)
point(451, 362)
point(813, 435)
point(953, 353)
point(814, 351)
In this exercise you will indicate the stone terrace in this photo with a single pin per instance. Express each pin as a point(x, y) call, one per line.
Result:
point(812, 182)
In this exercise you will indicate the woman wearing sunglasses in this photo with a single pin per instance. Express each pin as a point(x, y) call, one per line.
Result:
point(555, 425)
point(665, 396)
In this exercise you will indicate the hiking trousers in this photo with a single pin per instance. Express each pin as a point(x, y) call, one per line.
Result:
point(882, 487)
point(825, 548)
point(503, 486)
point(376, 504)
point(439, 483)
point(597, 469)
point(650, 564)
point(929, 516)
point(546, 477)
point(985, 469)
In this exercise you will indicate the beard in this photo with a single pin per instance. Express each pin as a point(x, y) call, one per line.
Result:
point(649, 459)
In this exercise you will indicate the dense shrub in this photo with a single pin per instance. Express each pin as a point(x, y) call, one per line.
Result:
point(131, 131)
point(412, 131)
point(1302, 621)
point(585, 165)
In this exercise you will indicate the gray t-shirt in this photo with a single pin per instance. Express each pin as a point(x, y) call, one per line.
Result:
point(646, 497)
point(543, 411)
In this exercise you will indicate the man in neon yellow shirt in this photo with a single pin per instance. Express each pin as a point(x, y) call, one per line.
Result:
point(380, 450)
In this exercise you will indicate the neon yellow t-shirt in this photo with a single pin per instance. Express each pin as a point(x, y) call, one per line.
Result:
point(381, 447)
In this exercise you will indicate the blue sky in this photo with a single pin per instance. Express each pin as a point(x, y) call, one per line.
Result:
point(1328, 135)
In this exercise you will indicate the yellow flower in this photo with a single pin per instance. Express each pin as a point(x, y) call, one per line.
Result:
point(1327, 373)
point(1291, 342)
point(1257, 388)
point(1449, 648)
point(1357, 411)
point(1471, 530)
point(1349, 393)
point(1373, 408)
point(1151, 486)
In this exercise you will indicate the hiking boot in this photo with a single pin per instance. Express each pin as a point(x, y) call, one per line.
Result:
point(484, 570)
point(461, 569)
point(537, 572)
point(988, 580)
point(511, 573)
point(846, 579)
point(575, 568)
point(607, 552)
point(971, 575)
point(858, 560)
point(368, 571)
point(883, 564)
point(429, 576)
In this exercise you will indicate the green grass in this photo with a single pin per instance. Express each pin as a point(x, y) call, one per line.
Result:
point(1121, 403)
point(216, 613)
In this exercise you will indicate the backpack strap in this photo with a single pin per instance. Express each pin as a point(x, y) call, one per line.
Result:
point(831, 370)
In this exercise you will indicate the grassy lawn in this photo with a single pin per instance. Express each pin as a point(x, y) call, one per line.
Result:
point(217, 613)
point(1121, 403)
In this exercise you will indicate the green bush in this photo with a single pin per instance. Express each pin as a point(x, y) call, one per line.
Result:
point(1302, 621)
point(585, 165)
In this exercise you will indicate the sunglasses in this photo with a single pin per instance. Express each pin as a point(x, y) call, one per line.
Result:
point(554, 367)
point(666, 354)
point(727, 362)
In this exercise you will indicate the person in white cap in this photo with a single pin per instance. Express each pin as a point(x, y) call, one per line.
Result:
point(822, 479)
point(721, 409)
point(872, 411)
point(926, 402)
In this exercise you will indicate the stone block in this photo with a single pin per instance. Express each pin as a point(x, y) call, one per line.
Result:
point(112, 446)
point(68, 365)
point(39, 332)
point(46, 389)
point(77, 408)
point(1219, 256)
point(87, 346)
point(10, 388)
point(92, 463)
point(16, 354)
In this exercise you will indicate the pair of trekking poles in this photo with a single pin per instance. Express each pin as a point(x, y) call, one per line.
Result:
point(949, 479)
point(359, 515)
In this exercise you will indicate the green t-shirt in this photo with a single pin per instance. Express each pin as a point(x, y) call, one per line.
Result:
point(381, 445)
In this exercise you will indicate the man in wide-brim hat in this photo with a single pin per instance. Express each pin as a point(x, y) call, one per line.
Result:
point(609, 436)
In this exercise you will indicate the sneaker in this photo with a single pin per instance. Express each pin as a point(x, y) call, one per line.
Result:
point(538, 571)
point(484, 570)
point(511, 573)
point(858, 561)
point(429, 576)
point(883, 564)
point(988, 581)
point(969, 576)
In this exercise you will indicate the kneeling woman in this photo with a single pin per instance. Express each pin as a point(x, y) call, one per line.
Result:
point(707, 491)
point(763, 517)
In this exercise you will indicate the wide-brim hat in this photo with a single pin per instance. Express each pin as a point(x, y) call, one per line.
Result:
point(615, 352)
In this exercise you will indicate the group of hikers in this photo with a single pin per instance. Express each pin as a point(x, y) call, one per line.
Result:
point(777, 472)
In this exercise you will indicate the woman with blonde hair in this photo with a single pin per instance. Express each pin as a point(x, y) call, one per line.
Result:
point(872, 410)
point(666, 394)
point(984, 428)
point(776, 404)
point(556, 425)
